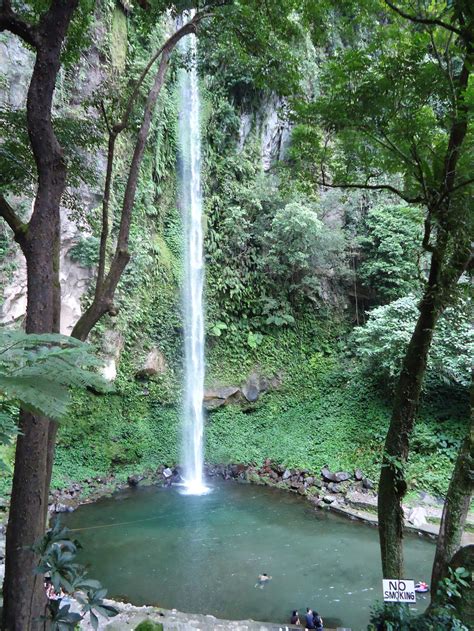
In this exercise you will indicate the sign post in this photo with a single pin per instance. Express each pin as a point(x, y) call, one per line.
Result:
point(399, 591)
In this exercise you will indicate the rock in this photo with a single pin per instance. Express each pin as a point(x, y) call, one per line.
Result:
point(342, 476)
point(154, 364)
point(329, 499)
point(302, 490)
point(167, 473)
point(296, 485)
point(251, 389)
point(61, 508)
point(417, 516)
point(112, 346)
point(367, 484)
point(286, 474)
point(222, 395)
point(309, 480)
point(328, 475)
point(333, 487)
point(133, 480)
point(358, 475)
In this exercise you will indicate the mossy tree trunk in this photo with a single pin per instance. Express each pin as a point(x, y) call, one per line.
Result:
point(24, 595)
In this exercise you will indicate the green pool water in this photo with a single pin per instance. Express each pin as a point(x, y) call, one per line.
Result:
point(203, 554)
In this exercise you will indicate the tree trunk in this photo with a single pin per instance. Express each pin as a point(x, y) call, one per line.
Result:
point(24, 594)
point(455, 510)
point(392, 485)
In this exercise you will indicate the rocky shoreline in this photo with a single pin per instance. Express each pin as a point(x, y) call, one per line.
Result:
point(349, 493)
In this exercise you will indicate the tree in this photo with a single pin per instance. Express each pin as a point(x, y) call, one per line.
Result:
point(391, 251)
point(45, 27)
point(382, 342)
point(395, 114)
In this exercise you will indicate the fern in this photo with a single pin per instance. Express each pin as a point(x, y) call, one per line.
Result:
point(37, 371)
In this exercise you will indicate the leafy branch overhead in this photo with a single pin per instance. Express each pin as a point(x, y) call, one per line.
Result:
point(38, 371)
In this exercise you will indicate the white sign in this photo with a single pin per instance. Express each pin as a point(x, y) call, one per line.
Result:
point(396, 591)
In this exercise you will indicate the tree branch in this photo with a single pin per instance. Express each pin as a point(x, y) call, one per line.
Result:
point(17, 226)
point(189, 27)
point(10, 21)
point(373, 187)
point(420, 20)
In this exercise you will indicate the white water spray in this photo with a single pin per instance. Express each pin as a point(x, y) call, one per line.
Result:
point(191, 203)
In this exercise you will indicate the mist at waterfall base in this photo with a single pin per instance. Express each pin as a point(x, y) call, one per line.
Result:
point(203, 554)
point(193, 308)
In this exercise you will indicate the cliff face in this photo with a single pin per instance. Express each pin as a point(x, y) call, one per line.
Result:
point(264, 126)
point(16, 64)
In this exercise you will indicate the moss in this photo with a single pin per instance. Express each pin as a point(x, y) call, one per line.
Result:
point(118, 39)
point(148, 625)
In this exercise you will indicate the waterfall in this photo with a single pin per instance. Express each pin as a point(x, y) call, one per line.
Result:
point(193, 308)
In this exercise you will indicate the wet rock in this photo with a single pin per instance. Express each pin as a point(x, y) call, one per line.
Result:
point(358, 475)
point(167, 473)
point(417, 516)
point(367, 484)
point(329, 499)
point(133, 480)
point(328, 475)
point(61, 508)
point(296, 485)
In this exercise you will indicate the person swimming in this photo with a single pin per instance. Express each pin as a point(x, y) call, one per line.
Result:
point(262, 580)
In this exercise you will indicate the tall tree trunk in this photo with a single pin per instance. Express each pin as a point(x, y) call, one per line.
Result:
point(24, 595)
point(455, 510)
point(392, 485)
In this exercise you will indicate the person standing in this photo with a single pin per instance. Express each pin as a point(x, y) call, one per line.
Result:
point(309, 620)
point(318, 621)
point(295, 618)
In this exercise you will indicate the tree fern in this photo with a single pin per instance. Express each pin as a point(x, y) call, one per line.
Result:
point(37, 371)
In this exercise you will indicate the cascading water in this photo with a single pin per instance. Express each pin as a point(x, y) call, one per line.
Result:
point(191, 204)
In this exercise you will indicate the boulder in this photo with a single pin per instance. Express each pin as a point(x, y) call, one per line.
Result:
point(358, 475)
point(154, 364)
point(342, 476)
point(367, 484)
point(309, 480)
point(61, 508)
point(417, 516)
point(251, 389)
point(328, 475)
point(329, 499)
point(112, 346)
point(221, 395)
point(167, 473)
point(286, 474)
point(133, 480)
